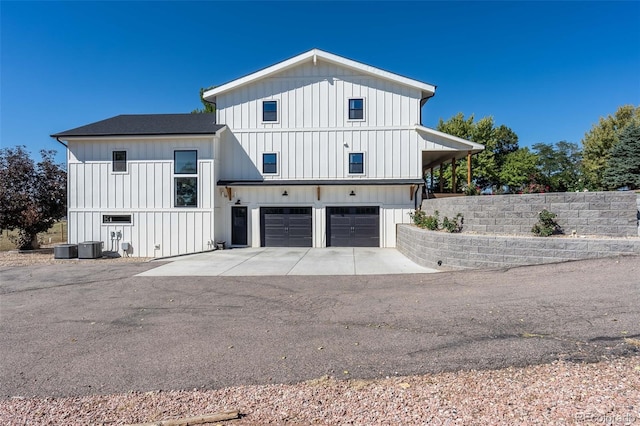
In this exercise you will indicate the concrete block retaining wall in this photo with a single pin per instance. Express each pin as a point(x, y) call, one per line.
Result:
point(457, 251)
point(613, 214)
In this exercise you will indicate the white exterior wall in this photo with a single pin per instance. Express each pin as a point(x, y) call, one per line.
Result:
point(394, 201)
point(146, 191)
point(313, 135)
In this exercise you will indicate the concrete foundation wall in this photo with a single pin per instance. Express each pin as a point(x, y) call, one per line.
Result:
point(613, 214)
point(457, 251)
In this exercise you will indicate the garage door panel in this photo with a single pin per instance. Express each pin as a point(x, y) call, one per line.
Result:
point(353, 226)
point(286, 227)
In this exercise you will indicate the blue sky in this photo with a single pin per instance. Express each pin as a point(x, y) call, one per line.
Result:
point(548, 70)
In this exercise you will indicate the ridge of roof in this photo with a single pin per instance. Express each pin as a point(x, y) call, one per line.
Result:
point(327, 56)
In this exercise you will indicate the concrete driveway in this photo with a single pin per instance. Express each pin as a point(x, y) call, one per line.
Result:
point(265, 261)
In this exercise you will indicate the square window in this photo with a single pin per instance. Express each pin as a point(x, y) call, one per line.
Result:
point(356, 109)
point(185, 162)
point(356, 163)
point(186, 192)
point(269, 111)
point(119, 161)
point(270, 163)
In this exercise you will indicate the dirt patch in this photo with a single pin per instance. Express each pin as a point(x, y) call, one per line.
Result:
point(44, 256)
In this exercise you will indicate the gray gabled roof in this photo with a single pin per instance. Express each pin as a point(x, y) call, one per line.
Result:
point(148, 124)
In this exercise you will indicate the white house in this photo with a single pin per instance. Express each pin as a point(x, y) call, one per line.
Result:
point(314, 151)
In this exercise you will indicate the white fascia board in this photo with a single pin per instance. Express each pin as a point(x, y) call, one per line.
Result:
point(314, 54)
point(474, 147)
point(141, 137)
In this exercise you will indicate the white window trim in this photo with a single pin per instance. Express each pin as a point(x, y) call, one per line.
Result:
point(364, 163)
point(175, 175)
point(364, 109)
point(126, 151)
point(278, 163)
point(277, 120)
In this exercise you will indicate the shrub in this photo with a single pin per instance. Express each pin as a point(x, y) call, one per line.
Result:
point(432, 222)
point(546, 225)
point(421, 219)
point(452, 225)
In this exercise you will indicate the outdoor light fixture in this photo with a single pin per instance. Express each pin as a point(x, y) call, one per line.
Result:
point(285, 194)
point(238, 202)
point(352, 193)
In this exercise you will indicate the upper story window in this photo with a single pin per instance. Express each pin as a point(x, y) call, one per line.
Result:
point(269, 111)
point(270, 163)
point(356, 163)
point(185, 162)
point(119, 161)
point(185, 187)
point(356, 109)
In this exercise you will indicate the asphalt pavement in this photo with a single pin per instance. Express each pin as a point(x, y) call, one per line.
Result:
point(97, 327)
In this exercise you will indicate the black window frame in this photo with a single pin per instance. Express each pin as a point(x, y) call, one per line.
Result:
point(185, 181)
point(269, 116)
point(119, 165)
point(183, 198)
point(270, 168)
point(354, 112)
point(354, 166)
point(187, 171)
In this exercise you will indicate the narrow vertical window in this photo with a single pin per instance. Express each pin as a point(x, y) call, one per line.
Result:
point(269, 111)
point(270, 163)
point(185, 187)
point(356, 109)
point(356, 163)
point(119, 161)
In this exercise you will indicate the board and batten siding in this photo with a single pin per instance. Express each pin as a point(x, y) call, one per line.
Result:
point(313, 135)
point(145, 191)
point(316, 96)
point(394, 201)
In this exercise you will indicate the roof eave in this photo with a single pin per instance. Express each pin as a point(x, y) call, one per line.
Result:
point(473, 146)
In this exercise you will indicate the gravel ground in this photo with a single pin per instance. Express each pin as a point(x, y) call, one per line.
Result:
point(607, 392)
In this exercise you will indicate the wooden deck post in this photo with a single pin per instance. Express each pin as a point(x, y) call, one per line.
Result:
point(453, 175)
point(469, 169)
point(431, 186)
point(441, 182)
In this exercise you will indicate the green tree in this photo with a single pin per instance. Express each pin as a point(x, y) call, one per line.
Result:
point(599, 141)
point(559, 166)
point(207, 107)
point(623, 168)
point(32, 196)
point(519, 169)
point(498, 141)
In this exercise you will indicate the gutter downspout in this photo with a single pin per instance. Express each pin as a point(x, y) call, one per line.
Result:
point(61, 143)
point(415, 198)
point(423, 101)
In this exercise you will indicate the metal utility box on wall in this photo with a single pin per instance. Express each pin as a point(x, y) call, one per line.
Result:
point(90, 250)
point(65, 251)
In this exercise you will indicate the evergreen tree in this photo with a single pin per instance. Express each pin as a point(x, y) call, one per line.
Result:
point(207, 107)
point(623, 167)
point(599, 141)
